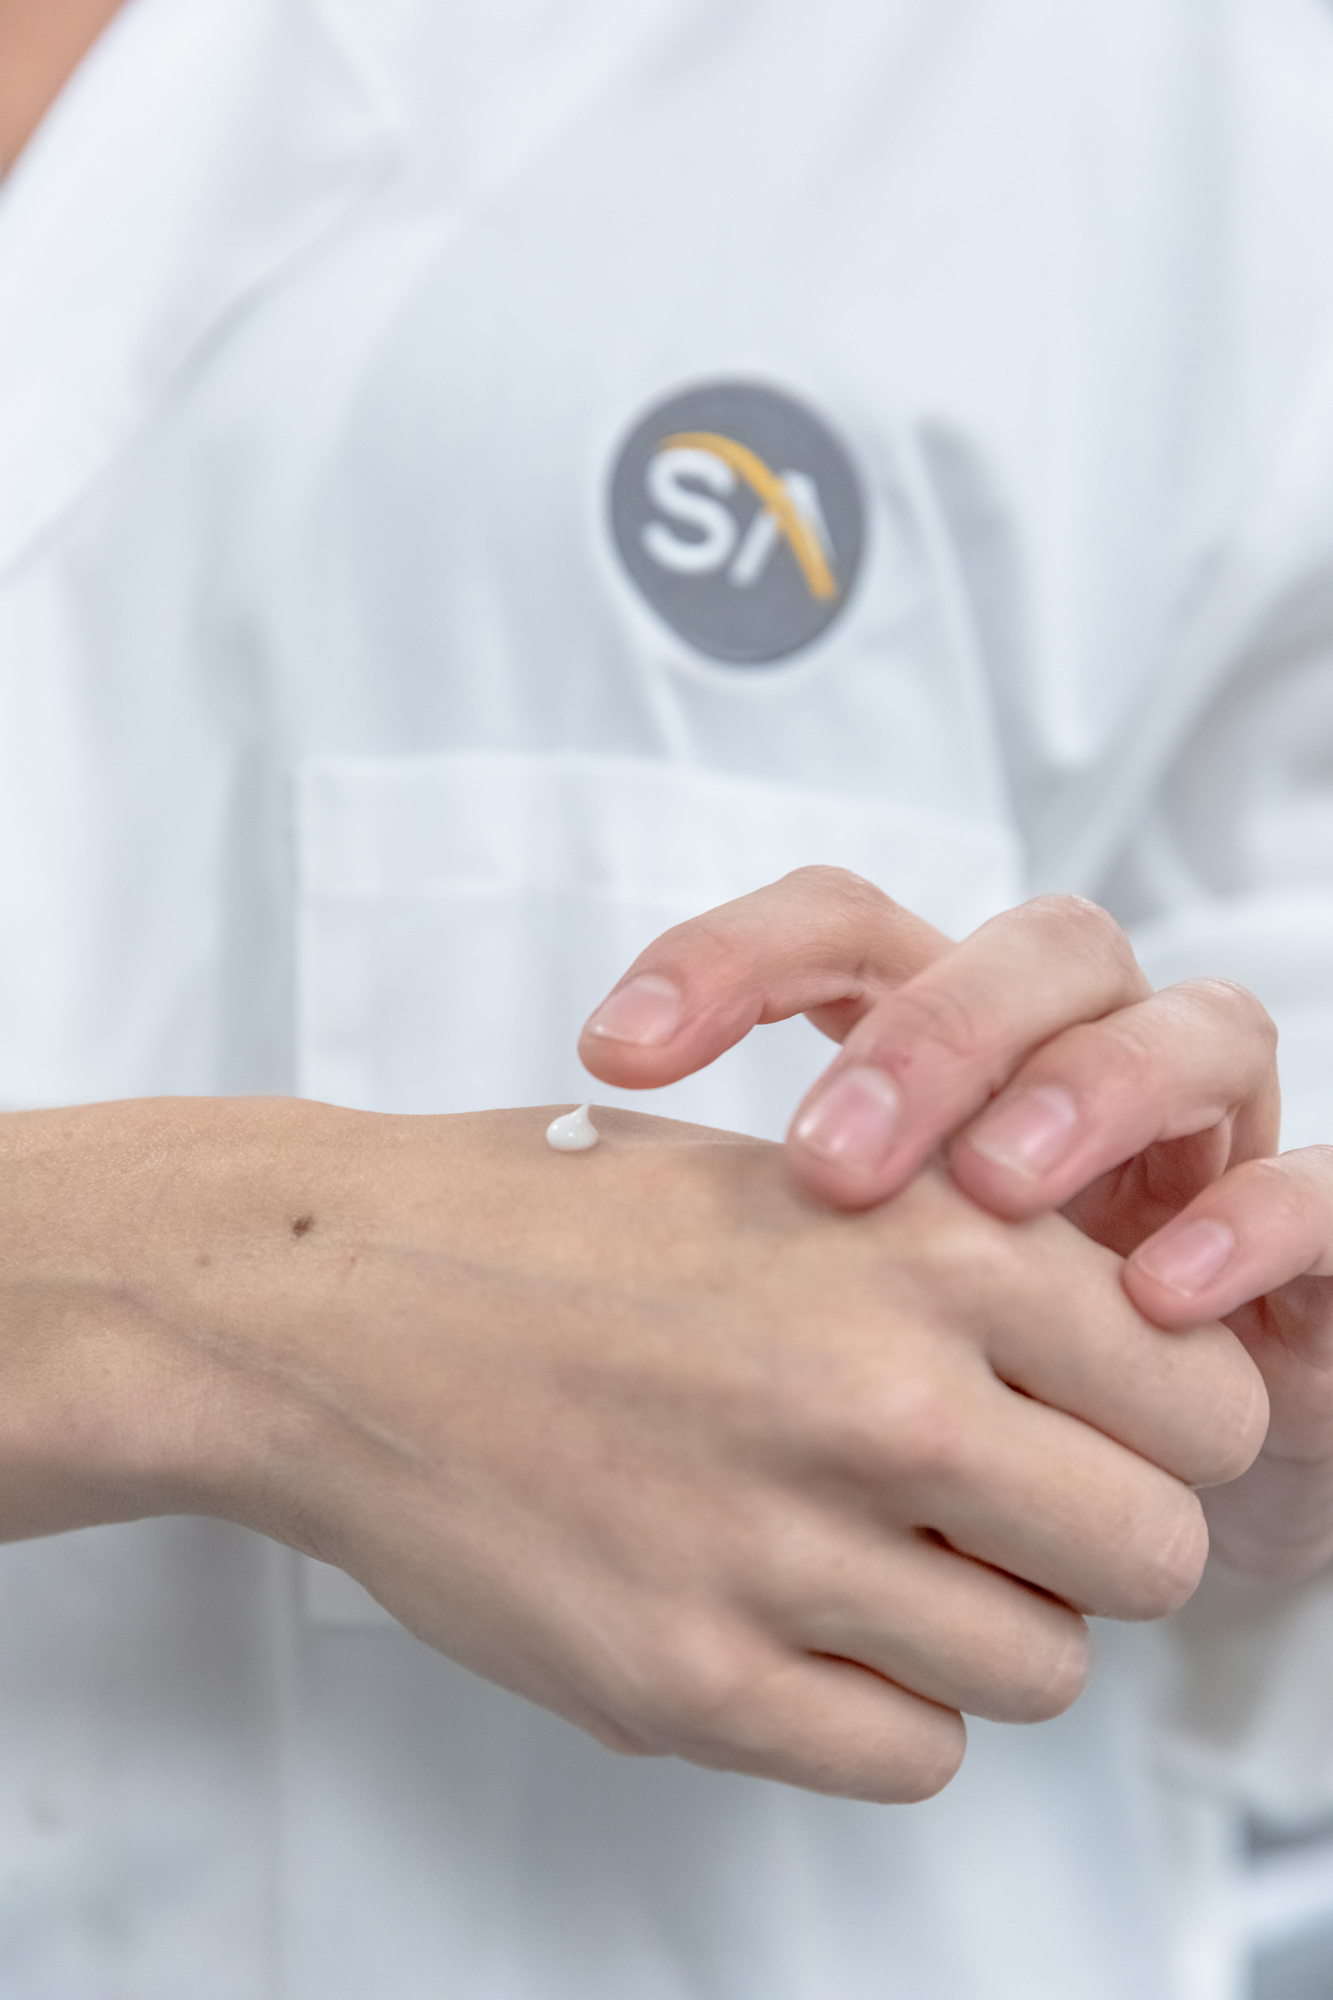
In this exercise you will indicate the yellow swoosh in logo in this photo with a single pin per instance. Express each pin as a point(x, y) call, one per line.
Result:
point(772, 491)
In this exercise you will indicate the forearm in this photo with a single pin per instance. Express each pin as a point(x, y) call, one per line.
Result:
point(142, 1255)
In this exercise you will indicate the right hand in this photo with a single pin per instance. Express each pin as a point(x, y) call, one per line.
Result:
point(645, 1434)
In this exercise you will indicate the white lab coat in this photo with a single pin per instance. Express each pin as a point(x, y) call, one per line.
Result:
point(341, 754)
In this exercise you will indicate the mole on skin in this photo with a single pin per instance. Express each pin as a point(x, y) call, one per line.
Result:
point(302, 1224)
point(573, 1133)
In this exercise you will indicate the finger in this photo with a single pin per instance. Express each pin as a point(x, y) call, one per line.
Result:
point(1054, 1502)
point(821, 942)
point(1193, 1403)
point(929, 1055)
point(955, 1631)
point(1038, 1494)
point(1263, 1224)
point(1262, 1233)
point(1191, 1058)
point(828, 1725)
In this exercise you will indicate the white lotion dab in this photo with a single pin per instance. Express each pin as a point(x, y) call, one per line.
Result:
point(573, 1133)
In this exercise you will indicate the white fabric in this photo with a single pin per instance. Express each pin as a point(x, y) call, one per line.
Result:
point(328, 707)
point(440, 896)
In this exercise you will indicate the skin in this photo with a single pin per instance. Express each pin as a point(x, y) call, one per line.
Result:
point(42, 42)
point(657, 1438)
point(647, 1433)
point(1036, 1054)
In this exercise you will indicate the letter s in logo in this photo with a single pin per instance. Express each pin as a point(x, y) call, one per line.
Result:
point(716, 525)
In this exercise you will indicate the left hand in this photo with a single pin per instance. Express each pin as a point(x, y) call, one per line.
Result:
point(1037, 1049)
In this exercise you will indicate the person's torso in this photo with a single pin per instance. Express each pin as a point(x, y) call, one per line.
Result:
point(659, 446)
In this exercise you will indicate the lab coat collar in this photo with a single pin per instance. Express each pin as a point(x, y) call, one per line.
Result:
point(201, 147)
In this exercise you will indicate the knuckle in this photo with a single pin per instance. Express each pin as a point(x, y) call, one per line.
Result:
point(713, 940)
point(1240, 1420)
point(1170, 1563)
point(932, 1762)
point(839, 891)
point(1053, 1675)
point(692, 1687)
point(1066, 1677)
point(1270, 1183)
point(938, 1016)
point(908, 1429)
point(827, 911)
point(707, 952)
point(1086, 927)
point(852, 915)
point(1077, 916)
point(980, 1264)
point(1312, 1167)
point(1120, 1054)
point(1237, 1004)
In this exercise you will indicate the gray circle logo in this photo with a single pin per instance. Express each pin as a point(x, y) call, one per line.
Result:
point(738, 514)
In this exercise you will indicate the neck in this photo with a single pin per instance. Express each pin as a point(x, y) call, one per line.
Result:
point(42, 43)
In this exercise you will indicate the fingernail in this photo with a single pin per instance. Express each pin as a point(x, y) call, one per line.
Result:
point(1031, 1133)
point(645, 1010)
point(853, 1120)
point(1188, 1258)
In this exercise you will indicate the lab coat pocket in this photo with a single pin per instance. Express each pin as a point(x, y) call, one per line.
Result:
point(459, 916)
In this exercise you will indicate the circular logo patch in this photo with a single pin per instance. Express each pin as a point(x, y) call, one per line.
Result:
point(738, 514)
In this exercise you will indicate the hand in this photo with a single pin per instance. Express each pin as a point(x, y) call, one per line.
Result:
point(1257, 1248)
point(1036, 1049)
point(644, 1433)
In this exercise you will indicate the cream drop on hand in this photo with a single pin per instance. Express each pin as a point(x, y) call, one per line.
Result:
point(574, 1132)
